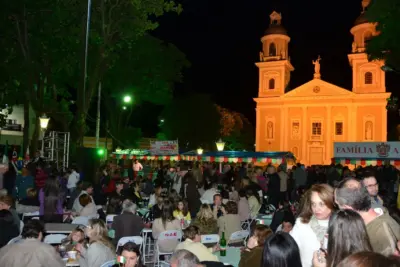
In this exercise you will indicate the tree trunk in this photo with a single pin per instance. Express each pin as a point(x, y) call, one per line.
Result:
point(35, 138)
point(26, 127)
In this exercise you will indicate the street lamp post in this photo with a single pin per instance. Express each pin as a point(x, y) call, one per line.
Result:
point(44, 122)
point(220, 147)
point(126, 99)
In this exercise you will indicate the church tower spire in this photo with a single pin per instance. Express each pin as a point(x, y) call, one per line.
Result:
point(274, 62)
point(368, 77)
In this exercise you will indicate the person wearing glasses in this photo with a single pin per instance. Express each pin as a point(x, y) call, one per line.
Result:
point(372, 186)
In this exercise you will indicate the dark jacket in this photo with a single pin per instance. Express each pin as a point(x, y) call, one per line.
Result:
point(126, 224)
point(251, 258)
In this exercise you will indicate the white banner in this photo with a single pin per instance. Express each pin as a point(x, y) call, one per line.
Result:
point(160, 148)
point(367, 150)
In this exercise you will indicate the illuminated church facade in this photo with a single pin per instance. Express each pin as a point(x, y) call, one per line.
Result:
point(310, 118)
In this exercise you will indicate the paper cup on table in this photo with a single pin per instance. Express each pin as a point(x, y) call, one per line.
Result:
point(72, 255)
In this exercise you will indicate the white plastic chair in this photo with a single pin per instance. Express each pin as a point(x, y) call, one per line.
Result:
point(15, 240)
point(108, 264)
point(21, 226)
point(209, 239)
point(238, 236)
point(82, 220)
point(246, 225)
point(54, 238)
point(138, 240)
point(166, 235)
point(30, 214)
point(110, 219)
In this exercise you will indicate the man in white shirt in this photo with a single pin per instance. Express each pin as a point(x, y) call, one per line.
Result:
point(73, 179)
point(208, 196)
point(193, 244)
point(136, 167)
point(87, 188)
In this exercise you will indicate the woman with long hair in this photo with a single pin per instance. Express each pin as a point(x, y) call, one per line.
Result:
point(281, 250)
point(311, 227)
point(50, 201)
point(205, 221)
point(252, 255)
point(165, 223)
point(100, 249)
point(346, 235)
point(369, 259)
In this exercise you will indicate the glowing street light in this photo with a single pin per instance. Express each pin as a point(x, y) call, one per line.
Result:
point(199, 151)
point(44, 121)
point(127, 99)
point(220, 145)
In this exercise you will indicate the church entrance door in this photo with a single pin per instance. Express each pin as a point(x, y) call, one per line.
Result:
point(316, 155)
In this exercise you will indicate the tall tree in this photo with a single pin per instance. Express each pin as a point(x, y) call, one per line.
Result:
point(236, 130)
point(34, 52)
point(386, 44)
point(193, 120)
point(148, 76)
point(115, 26)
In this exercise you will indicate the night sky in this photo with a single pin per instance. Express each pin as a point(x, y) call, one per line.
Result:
point(222, 41)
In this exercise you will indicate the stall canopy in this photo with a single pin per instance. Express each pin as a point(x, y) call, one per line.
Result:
point(367, 153)
point(211, 156)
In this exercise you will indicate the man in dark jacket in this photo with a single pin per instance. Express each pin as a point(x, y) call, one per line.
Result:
point(128, 223)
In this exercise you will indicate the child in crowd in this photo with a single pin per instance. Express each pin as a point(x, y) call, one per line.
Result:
point(181, 211)
point(77, 236)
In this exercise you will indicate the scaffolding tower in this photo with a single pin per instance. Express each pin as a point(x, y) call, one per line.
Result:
point(55, 148)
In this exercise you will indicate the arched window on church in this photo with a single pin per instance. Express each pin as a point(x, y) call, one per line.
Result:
point(271, 84)
point(272, 49)
point(368, 78)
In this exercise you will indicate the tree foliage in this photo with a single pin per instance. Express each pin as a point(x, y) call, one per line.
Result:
point(32, 48)
point(386, 44)
point(236, 130)
point(115, 29)
point(193, 120)
point(43, 44)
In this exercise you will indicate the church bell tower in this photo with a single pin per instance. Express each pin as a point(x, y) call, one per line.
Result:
point(274, 62)
point(368, 77)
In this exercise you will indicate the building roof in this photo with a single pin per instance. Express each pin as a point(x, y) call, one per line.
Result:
point(361, 19)
point(275, 29)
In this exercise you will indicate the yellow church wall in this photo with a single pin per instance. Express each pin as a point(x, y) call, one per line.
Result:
point(270, 140)
point(371, 124)
point(294, 124)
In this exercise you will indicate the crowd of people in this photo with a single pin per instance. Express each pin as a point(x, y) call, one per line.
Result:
point(321, 215)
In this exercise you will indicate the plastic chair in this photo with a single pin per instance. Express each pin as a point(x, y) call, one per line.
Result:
point(108, 264)
point(30, 214)
point(138, 240)
point(238, 236)
point(166, 235)
point(246, 225)
point(209, 239)
point(15, 240)
point(21, 226)
point(54, 238)
point(110, 219)
point(83, 220)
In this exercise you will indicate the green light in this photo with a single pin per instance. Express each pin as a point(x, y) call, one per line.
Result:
point(124, 108)
point(127, 99)
point(100, 152)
